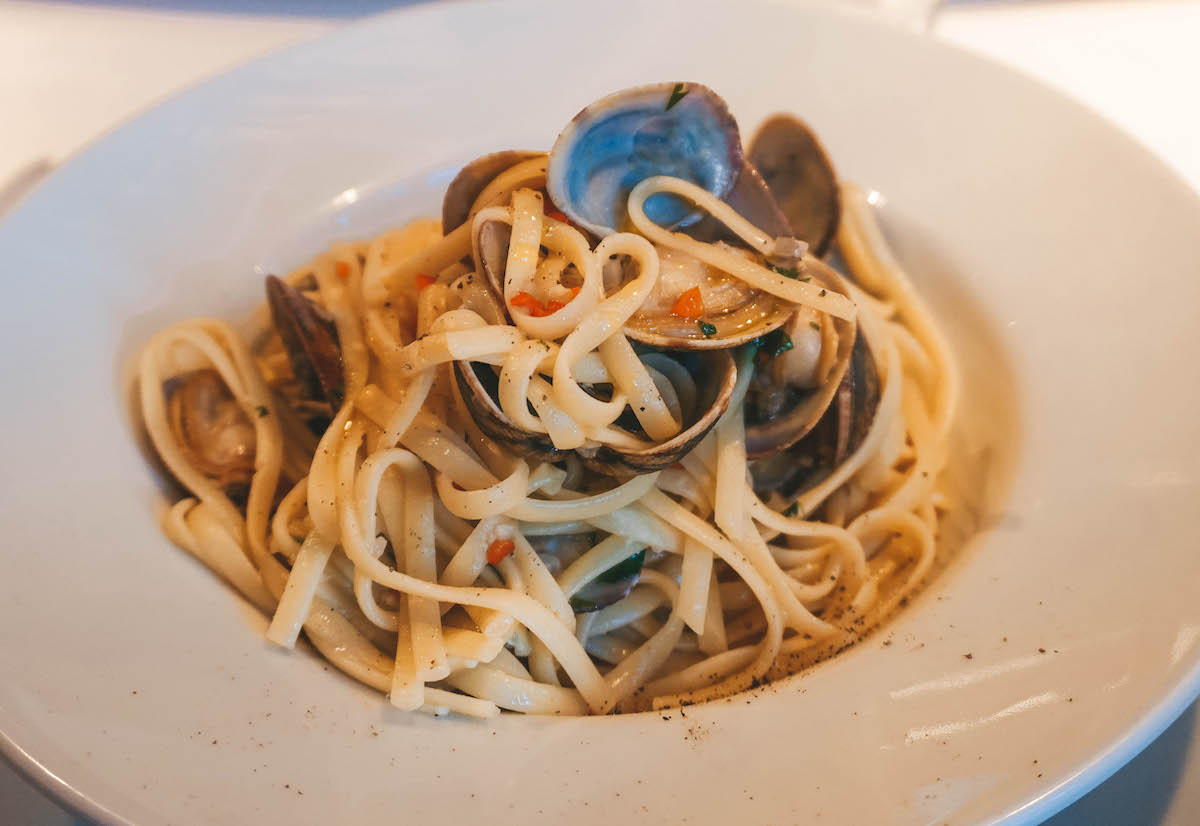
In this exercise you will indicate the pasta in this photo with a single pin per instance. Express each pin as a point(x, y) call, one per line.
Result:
point(553, 459)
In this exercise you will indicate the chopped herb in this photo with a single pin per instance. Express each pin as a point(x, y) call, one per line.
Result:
point(792, 510)
point(774, 343)
point(627, 567)
point(677, 94)
point(262, 411)
point(709, 330)
point(788, 272)
point(814, 325)
point(610, 586)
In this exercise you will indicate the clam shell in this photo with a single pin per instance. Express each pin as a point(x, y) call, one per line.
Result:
point(470, 182)
point(211, 429)
point(718, 375)
point(751, 198)
point(713, 402)
point(800, 175)
point(765, 314)
point(772, 435)
point(310, 339)
point(473, 381)
point(626, 137)
point(835, 437)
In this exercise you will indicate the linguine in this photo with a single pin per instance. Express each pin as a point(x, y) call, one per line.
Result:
point(460, 572)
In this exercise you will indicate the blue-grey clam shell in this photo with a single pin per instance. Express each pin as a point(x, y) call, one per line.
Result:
point(626, 137)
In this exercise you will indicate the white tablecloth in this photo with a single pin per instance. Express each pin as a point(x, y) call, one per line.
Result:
point(70, 71)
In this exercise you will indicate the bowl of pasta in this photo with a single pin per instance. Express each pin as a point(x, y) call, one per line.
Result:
point(680, 438)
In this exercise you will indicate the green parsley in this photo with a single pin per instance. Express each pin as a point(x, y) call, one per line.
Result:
point(792, 510)
point(789, 272)
point(774, 343)
point(677, 94)
point(814, 325)
point(610, 586)
point(262, 411)
point(709, 330)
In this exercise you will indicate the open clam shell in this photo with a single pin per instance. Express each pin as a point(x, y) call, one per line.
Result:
point(838, 434)
point(478, 384)
point(753, 199)
point(310, 339)
point(737, 314)
point(211, 428)
point(770, 432)
point(492, 240)
point(715, 374)
point(472, 180)
point(800, 176)
point(680, 129)
point(758, 316)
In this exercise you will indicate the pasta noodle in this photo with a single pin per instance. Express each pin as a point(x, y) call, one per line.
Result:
point(501, 498)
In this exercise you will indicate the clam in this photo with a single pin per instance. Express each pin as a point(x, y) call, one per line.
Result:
point(734, 313)
point(680, 129)
point(800, 372)
point(752, 198)
point(801, 178)
point(713, 374)
point(310, 340)
point(683, 131)
point(492, 239)
point(834, 438)
point(474, 178)
point(211, 428)
point(479, 383)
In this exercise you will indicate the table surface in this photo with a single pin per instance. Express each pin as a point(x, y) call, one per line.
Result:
point(71, 70)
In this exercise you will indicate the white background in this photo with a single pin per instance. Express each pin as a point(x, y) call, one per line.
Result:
point(71, 70)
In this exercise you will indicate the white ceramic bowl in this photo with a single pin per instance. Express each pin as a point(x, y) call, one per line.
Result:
point(1060, 256)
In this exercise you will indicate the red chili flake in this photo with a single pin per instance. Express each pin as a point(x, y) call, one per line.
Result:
point(499, 549)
